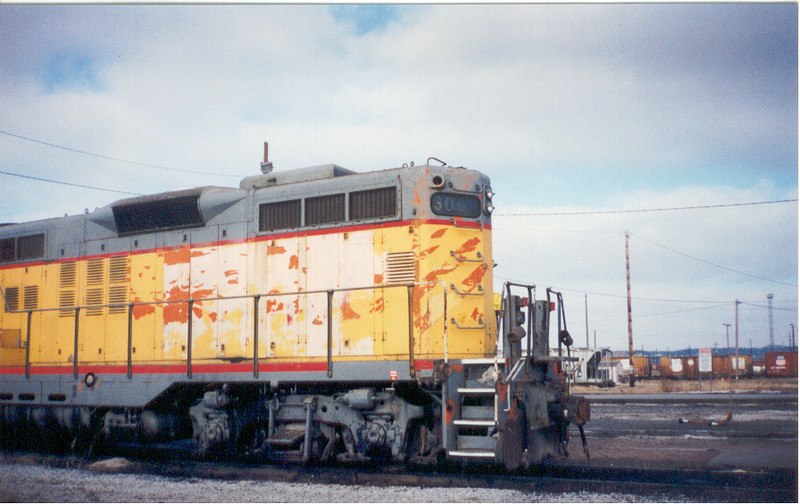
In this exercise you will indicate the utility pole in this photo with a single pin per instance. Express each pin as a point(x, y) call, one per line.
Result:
point(771, 334)
point(586, 308)
point(792, 347)
point(736, 331)
point(728, 351)
point(630, 320)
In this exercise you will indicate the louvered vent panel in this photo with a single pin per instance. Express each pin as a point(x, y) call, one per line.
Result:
point(325, 209)
point(117, 294)
point(118, 269)
point(95, 272)
point(12, 298)
point(94, 296)
point(279, 215)
point(67, 275)
point(399, 267)
point(373, 203)
point(31, 297)
point(66, 299)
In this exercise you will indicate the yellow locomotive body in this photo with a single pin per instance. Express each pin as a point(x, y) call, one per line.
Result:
point(144, 314)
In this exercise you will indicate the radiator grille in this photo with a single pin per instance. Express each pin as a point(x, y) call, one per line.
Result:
point(279, 215)
point(325, 209)
point(373, 203)
point(399, 267)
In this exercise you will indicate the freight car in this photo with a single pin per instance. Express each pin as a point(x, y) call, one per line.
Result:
point(780, 364)
point(681, 367)
point(724, 366)
point(313, 314)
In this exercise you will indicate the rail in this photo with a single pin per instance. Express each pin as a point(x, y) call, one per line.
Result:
point(256, 298)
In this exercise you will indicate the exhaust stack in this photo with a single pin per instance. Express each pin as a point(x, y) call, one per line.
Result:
point(266, 166)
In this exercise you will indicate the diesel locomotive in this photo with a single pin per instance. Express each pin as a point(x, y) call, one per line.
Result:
point(316, 314)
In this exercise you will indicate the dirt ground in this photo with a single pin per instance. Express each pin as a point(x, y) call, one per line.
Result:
point(655, 386)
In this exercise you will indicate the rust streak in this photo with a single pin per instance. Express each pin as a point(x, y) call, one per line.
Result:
point(469, 245)
point(474, 279)
point(377, 306)
point(425, 253)
point(202, 293)
point(347, 311)
point(438, 233)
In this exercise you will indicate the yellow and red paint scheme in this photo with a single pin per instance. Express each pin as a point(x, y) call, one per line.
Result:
point(452, 305)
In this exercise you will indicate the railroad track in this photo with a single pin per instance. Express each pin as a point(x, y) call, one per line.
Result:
point(775, 485)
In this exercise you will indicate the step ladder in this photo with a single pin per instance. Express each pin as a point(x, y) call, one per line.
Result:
point(476, 415)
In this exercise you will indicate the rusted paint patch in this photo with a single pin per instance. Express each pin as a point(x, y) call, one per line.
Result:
point(435, 274)
point(175, 312)
point(294, 262)
point(213, 316)
point(378, 279)
point(198, 311)
point(377, 306)
point(347, 311)
point(425, 253)
point(316, 321)
point(140, 311)
point(449, 411)
point(229, 273)
point(438, 233)
point(421, 320)
point(274, 306)
point(199, 253)
point(177, 256)
point(475, 278)
point(417, 200)
point(202, 293)
point(275, 250)
point(469, 245)
point(475, 314)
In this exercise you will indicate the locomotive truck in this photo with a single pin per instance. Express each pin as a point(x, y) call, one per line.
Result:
point(309, 315)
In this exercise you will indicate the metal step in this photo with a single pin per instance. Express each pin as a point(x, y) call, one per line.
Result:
point(477, 412)
point(476, 443)
point(472, 454)
point(474, 423)
point(476, 391)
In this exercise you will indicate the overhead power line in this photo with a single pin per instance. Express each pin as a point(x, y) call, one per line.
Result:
point(713, 264)
point(68, 183)
point(640, 210)
point(624, 296)
point(101, 156)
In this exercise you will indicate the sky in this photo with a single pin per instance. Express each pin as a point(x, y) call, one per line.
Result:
point(583, 116)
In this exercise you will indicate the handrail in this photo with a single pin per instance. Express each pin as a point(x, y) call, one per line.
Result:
point(461, 258)
point(256, 298)
point(479, 293)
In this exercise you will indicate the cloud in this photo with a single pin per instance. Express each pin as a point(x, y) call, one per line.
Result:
point(588, 107)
